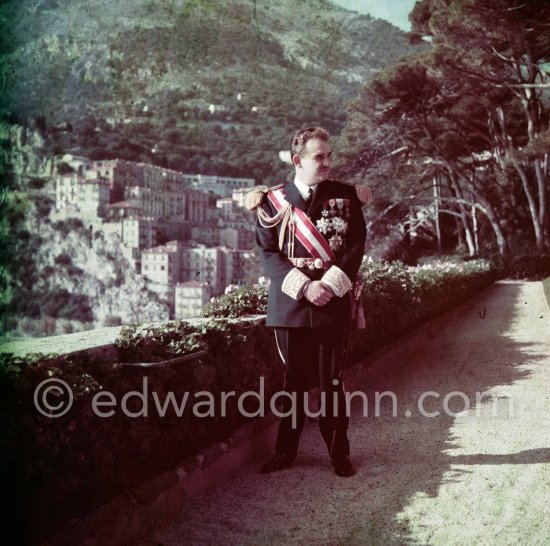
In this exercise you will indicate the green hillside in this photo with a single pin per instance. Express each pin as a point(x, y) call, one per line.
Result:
point(135, 79)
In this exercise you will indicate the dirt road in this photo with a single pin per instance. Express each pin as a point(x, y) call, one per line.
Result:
point(475, 471)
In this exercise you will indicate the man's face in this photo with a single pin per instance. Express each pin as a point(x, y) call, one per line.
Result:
point(313, 166)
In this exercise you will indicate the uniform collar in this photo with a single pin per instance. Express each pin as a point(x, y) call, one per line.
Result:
point(303, 189)
point(294, 197)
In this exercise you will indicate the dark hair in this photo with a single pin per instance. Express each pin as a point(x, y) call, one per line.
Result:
point(301, 136)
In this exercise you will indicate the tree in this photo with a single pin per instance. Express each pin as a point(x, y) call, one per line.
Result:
point(501, 47)
point(405, 137)
point(455, 123)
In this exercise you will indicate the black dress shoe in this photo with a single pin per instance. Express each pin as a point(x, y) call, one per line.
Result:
point(278, 462)
point(342, 466)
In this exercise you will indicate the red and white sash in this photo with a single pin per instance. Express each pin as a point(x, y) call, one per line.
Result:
point(306, 231)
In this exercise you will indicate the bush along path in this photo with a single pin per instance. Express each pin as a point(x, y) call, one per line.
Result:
point(87, 460)
point(473, 467)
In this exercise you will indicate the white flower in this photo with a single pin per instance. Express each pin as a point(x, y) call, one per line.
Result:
point(339, 225)
point(264, 281)
point(324, 225)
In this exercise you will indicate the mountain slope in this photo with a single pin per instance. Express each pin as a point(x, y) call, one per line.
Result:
point(135, 80)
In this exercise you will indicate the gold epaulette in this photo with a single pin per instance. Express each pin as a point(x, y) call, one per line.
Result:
point(364, 194)
point(255, 197)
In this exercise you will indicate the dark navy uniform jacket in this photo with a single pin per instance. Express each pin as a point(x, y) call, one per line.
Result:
point(284, 311)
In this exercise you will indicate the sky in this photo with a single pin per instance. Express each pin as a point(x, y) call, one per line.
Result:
point(394, 11)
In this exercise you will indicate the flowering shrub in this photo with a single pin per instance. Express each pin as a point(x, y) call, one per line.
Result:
point(393, 293)
point(387, 293)
point(397, 298)
point(441, 284)
point(238, 302)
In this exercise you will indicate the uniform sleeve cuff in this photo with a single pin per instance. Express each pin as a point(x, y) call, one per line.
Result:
point(337, 280)
point(293, 283)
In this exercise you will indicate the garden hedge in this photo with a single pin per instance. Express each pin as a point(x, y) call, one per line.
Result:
point(58, 469)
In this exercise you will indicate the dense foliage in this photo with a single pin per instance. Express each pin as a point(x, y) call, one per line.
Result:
point(533, 267)
point(155, 343)
point(421, 292)
point(238, 302)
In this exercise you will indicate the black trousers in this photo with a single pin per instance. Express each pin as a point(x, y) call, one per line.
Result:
point(313, 357)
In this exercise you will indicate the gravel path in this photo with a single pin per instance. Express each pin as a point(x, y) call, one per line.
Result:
point(465, 476)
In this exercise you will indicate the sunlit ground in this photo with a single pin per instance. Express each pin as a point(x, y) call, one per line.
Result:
point(498, 476)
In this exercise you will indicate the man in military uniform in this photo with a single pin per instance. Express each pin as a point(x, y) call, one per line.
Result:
point(311, 237)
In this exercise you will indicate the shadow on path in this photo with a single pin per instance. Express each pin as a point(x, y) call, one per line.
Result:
point(407, 456)
point(528, 456)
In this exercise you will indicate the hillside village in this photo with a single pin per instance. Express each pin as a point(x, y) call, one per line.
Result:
point(190, 235)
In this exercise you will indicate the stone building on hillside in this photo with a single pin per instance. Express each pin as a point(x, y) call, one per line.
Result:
point(176, 262)
point(190, 298)
point(82, 195)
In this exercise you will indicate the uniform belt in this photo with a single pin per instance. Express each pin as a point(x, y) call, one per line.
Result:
point(311, 263)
